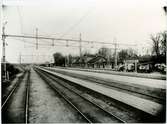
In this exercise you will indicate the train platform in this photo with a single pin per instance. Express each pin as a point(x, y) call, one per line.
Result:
point(154, 83)
point(142, 104)
point(154, 75)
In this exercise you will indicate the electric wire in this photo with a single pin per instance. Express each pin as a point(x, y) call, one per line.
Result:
point(56, 45)
point(77, 23)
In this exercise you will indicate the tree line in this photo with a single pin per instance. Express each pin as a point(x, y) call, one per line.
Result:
point(158, 54)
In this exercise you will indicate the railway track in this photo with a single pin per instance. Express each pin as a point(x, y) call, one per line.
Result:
point(18, 113)
point(27, 98)
point(124, 111)
point(5, 98)
point(92, 112)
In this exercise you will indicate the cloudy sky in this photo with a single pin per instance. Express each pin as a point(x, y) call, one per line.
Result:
point(126, 21)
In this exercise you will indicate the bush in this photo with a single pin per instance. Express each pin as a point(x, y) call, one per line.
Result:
point(11, 70)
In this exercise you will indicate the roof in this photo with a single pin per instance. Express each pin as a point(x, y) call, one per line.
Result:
point(97, 59)
point(84, 59)
point(78, 60)
point(89, 55)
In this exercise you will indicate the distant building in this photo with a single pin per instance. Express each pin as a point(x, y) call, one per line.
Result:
point(90, 61)
point(145, 64)
point(131, 64)
point(97, 62)
point(82, 62)
point(77, 62)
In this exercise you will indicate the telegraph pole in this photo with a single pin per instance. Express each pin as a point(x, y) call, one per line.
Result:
point(52, 42)
point(115, 44)
point(80, 48)
point(80, 45)
point(4, 50)
point(65, 61)
point(36, 38)
point(20, 58)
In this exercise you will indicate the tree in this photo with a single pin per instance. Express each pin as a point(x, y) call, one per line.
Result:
point(159, 44)
point(103, 52)
point(127, 54)
point(163, 42)
point(59, 59)
point(132, 53)
point(156, 44)
point(123, 55)
point(106, 53)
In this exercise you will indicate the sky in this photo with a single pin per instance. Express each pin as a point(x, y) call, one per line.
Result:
point(121, 21)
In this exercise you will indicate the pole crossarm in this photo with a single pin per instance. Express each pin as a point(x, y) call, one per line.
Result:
point(26, 36)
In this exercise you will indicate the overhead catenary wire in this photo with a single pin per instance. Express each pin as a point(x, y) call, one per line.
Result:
point(76, 24)
point(73, 26)
point(21, 22)
point(43, 45)
point(57, 39)
point(58, 45)
point(65, 39)
point(64, 42)
point(20, 19)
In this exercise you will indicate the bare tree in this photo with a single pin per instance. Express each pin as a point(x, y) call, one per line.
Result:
point(159, 43)
point(156, 44)
point(163, 42)
point(127, 54)
point(106, 53)
point(123, 54)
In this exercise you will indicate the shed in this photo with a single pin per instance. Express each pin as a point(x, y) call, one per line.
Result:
point(97, 62)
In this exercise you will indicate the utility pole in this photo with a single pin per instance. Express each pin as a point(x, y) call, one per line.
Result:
point(20, 58)
point(68, 60)
point(80, 45)
point(4, 50)
point(115, 44)
point(80, 48)
point(36, 38)
point(52, 42)
point(65, 61)
point(110, 56)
